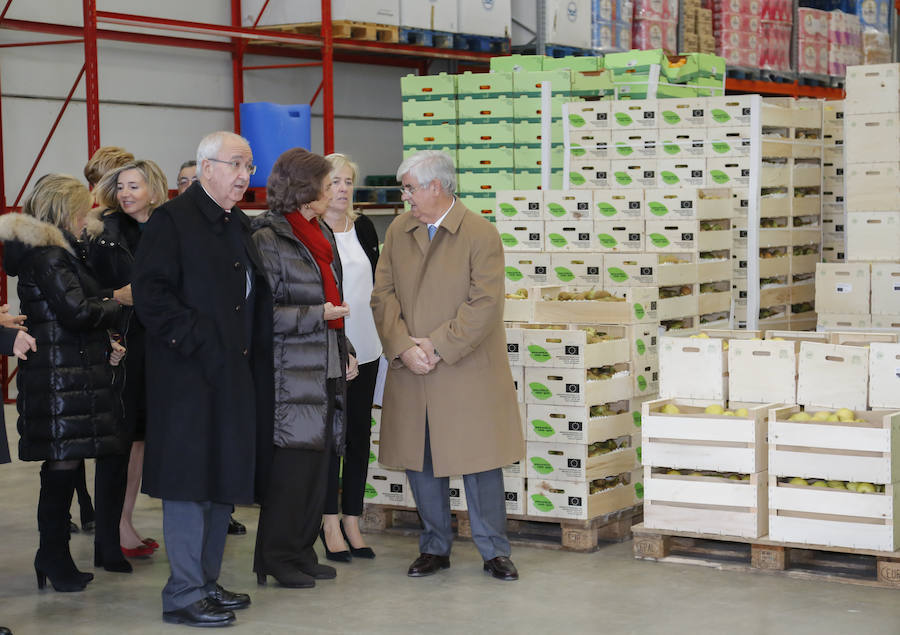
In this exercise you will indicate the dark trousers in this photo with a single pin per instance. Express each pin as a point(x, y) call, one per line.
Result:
point(291, 514)
point(195, 542)
point(352, 484)
point(110, 480)
point(486, 507)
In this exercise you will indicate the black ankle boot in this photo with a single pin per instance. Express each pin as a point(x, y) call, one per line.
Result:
point(53, 559)
point(109, 494)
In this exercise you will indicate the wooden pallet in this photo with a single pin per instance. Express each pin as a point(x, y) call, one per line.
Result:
point(810, 562)
point(557, 533)
point(343, 29)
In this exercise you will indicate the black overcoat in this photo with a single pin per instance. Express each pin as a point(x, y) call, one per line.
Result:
point(7, 339)
point(209, 389)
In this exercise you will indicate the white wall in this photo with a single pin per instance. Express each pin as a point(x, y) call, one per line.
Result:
point(159, 101)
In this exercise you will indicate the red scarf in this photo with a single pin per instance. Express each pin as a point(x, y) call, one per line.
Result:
point(310, 234)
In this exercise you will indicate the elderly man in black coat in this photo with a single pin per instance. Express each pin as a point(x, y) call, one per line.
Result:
point(200, 291)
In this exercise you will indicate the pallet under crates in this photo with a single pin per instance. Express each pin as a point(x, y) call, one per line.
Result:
point(760, 555)
point(522, 531)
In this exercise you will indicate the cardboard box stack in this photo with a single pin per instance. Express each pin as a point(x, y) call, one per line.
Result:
point(385, 485)
point(493, 19)
point(698, 28)
point(812, 41)
point(736, 24)
point(834, 216)
point(611, 22)
point(653, 74)
point(583, 364)
point(844, 42)
point(875, 21)
point(776, 21)
point(865, 291)
point(655, 25)
point(283, 12)
point(567, 23)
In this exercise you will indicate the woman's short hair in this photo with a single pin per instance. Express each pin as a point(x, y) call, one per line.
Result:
point(428, 165)
point(295, 179)
point(105, 192)
point(57, 199)
point(105, 159)
point(338, 162)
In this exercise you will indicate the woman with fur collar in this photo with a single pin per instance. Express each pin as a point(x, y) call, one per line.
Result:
point(67, 404)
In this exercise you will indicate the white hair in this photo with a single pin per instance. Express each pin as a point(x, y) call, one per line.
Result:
point(428, 165)
point(211, 144)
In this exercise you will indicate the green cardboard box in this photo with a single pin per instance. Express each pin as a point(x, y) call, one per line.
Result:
point(632, 91)
point(425, 134)
point(493, 83)
point(665, 90)
point(531, 179)
point(427, 87)
point(530, 158)
point(529, 108)
point(517, 63)
point(412, 149)
point(485, 109)
point(481, 204)
point(598, 83)
point(684, 72)
point(529, 133)
point(484, 159)
point(472, 133)
point(573, 63)
point(529, 83)
point(437, 110)
point(710, 65)
point(633, 61)
point(485, 182)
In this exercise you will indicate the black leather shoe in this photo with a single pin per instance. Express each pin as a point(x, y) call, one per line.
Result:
point(357, 552)
point(318, 571)
point(427, 564)
point(225, 599)
point(336, 556)
point(200, 613)
point(501, 568)
point(235, 528)
point(5, 631)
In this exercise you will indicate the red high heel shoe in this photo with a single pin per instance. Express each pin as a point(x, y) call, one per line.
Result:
point(151, 543)
point(143, 551)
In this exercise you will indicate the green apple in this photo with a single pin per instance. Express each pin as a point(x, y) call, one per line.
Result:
point(798, 481)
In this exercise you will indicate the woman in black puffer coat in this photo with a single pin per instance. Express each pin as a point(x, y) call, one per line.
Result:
point(313, 362)
point(68, 407)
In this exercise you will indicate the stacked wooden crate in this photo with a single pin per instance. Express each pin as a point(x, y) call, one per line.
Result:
point(834, 215)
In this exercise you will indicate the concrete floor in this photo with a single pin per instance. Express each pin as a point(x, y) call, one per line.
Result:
point(604, 592)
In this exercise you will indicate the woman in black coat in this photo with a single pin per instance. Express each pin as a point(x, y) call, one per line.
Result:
point(127, 195)
point(68, 407)
point(311, 368)
point(357, 245)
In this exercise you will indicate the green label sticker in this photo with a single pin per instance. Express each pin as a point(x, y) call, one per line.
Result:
point(659, 241)
point(671, 148)
point(372, 422)
point(539, 391)
point(720, 116)
point(617, 275)
point(640, 346)
point(513, 274)
point(636, 418)
point(607, 241)
point(508, 240)
point(577, 151)
point(669, 178)
point(542, 428)
point(372, 457)
point(670, 117)
point(639, 490)
point(564, 274)
point(639, 312)
point(576, 179)
point(624, 149)
point(555, 209)
point(622, 178)
point(542, 503)
point(606, 209)
point(370, 492)
point(721, 147)
point(541, 466)
point(718, 176)
point(642, 383)
point(508, 210)
point(538, 353)
point(638, 452)
point(623, 119)
point(576, 120)
point(558, 240)
point(658, 209)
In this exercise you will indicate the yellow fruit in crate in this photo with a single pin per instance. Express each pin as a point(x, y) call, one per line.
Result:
point(714, 409)
point(724, 345)
point(845, 414)
point(728, 413)
point(822, 415)
point(670, 409)
point(800, 416)
point(798, 481)
point(819, 484)
point(745, 477)
point(702, 474)
point(734, 477)
point(852, 486)
point(837, 485)
point(673, 473)
point(741, 412)
point(832, 418)
point(777, 339)
point(865, 488)
point(857, 421)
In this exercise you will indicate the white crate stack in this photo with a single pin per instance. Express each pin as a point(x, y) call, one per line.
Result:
point(864, 292)
point(834, 213)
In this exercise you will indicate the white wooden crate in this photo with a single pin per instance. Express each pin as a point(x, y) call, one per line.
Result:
point(693, 368)
point(833, 376)
point(884, 375)
point(762, 371)
point(706, 504)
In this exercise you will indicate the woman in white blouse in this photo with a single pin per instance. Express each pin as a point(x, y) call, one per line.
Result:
point(357, 244)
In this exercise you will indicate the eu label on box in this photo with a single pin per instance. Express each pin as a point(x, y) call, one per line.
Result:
point(524, 235)
point(576, 269)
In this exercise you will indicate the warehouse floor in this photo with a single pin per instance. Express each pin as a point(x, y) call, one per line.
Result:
point(604, 592)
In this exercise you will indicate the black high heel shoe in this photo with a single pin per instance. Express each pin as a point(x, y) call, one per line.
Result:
point(362, 552)
point(337, 556)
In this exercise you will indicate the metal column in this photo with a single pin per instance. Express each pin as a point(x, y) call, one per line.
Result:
point(91, 86)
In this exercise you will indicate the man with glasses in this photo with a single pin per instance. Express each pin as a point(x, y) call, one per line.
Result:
point(187, 176)
point(200, 291)
point(449, 403)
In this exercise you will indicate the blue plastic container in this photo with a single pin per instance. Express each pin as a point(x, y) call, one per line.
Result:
point(271, 129)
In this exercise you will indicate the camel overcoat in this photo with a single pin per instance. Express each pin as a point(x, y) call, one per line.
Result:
point(451, 290)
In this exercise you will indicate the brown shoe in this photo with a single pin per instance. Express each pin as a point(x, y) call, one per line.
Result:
point(427, 564)
point(501, 568)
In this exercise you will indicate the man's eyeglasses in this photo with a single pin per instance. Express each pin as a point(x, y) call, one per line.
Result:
point(186, 181)
point(410, 189)
point(237, 165)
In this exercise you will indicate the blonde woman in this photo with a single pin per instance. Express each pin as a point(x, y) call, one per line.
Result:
point(357, 245)
point(128, 196)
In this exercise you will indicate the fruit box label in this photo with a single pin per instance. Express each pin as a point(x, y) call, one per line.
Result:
point(634, 174)
point(590, 174)
point(681, 172)
point(580, 269)
point(622, 235)
point(633, 114)
point(630, 269)
point(682, 143)
point(571, 205)
point(671, 236)
point(515, 346)
point(728, 142)
point(612, 205)
point(569, 235)
point(521, 235)
point(515, 204)
point(676, 113)
point(524, 271)
point(514, 494)
point(386, 487)
point(733, 110)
